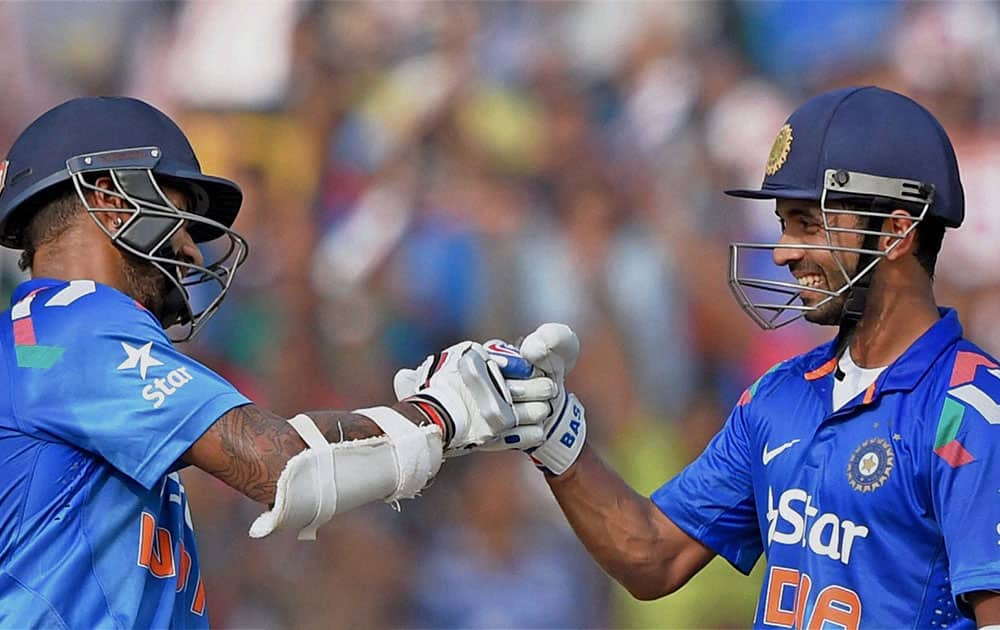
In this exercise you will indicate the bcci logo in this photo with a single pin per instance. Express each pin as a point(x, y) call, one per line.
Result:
point(779, 150)
point(870, 465)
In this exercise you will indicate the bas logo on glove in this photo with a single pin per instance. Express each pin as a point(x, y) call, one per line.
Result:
point(550, 351)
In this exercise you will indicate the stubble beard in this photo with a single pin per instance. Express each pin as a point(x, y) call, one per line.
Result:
point(146, 284)
point(829, 314)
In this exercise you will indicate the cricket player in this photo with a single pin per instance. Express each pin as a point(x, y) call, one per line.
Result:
point(99, 411)
point(867, 470)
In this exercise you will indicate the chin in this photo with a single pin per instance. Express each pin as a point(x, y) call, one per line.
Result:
point(826, 315)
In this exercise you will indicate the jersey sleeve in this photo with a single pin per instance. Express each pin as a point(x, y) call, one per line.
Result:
point(712, 499)
point(119, 388)
point(965, 480)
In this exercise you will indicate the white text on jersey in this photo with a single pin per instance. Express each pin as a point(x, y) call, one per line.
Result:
point(827, 535)
point(163, 387)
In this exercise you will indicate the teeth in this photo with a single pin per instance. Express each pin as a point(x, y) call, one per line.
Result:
point(810, 281)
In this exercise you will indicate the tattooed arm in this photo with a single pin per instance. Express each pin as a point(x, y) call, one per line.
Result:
point(248, 446)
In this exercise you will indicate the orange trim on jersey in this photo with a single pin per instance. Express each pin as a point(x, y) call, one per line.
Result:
point(198, 605)
point(744, 398)
point(869, 394)
point(822, 370)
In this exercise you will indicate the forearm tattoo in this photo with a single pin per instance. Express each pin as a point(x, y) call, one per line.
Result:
point(249, 446)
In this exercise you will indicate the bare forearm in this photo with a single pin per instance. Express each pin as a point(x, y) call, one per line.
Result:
point(625, 533)
point(337, 426)
point(248, 447)
point(986, 605)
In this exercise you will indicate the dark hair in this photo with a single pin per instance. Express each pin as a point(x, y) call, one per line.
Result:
point(930, 230)
point(930, 234)
point(56, 211)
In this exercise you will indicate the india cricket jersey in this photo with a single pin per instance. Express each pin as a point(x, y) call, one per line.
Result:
point(878, 515)
point(96, 408)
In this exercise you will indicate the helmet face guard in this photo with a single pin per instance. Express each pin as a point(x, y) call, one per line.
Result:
point(154, 221)
point(775, 303)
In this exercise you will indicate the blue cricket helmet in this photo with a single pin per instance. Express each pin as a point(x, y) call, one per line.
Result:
point(872, 150)
point(138, 149)
point(37, 161)
point(867, 130)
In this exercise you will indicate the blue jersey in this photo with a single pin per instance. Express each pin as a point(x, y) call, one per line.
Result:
point(96, 409)
point(879, 515)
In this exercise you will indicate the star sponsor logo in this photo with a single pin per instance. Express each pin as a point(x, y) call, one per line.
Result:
point(141, 358)
point(870, 465)
point(158, 391)
point(794, 518)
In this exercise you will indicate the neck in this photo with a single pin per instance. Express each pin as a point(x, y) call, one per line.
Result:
point(75, 257)
point(895, 317)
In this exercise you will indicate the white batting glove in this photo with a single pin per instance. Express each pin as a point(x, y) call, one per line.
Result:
point(552, 351)
point(462, 390)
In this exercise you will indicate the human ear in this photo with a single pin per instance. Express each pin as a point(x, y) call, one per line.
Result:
point(101, 199)
point(902, 225)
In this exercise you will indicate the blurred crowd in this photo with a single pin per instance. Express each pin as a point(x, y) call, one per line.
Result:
point(418, 173)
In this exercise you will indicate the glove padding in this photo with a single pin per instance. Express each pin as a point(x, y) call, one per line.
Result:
point(551, 351)
point(463, 390)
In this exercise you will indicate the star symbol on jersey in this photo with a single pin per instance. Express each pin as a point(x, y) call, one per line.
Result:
point(141, 357)
point(868, 464)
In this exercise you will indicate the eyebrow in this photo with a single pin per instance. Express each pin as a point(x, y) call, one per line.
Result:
point(794, 211)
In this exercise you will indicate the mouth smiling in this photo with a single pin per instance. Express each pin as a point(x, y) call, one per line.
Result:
point(808, 281)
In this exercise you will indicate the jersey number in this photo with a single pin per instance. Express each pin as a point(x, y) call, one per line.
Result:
point(787, 597)
point(156, 553)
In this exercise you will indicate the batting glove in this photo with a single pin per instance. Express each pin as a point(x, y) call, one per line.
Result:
point(463, 391)
point(551, 351)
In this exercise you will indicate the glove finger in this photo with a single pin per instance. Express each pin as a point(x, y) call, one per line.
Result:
point(404, 383)
point(516, 367)
point(483, 381)
point(554, 348)
point(512, 364)
point(532, 413)
point(518, 437)
point(540, 389)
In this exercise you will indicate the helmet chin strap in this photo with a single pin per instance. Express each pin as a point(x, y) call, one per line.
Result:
point(857, 294)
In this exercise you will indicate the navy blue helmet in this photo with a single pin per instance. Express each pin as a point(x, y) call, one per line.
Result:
point(866, 130)
point(140, 149)
point(876, 148)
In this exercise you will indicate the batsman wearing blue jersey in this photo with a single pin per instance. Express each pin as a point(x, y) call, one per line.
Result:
point(99, 411)
point(867, 471)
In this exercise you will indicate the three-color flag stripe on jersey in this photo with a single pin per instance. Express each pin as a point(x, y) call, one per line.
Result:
point(30, 354)
point(962, 393)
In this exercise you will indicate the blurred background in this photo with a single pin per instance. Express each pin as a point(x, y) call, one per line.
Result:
point(417, 173)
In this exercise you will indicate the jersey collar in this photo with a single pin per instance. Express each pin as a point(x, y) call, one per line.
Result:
point(905, 372)
point(32, 285)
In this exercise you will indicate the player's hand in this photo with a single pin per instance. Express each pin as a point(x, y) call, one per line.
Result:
point(551, 351)
point(463, 390)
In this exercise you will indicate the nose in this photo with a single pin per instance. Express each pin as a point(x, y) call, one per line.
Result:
point(186, 248)
point(787, 252)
